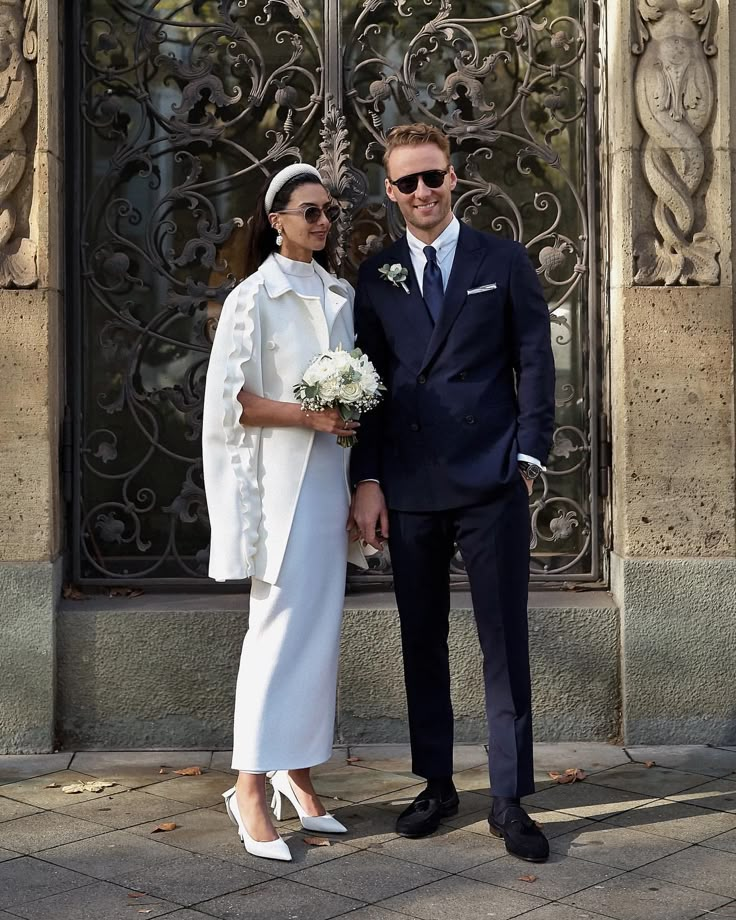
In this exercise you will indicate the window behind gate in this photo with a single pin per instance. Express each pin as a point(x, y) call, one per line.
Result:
point(183, 108)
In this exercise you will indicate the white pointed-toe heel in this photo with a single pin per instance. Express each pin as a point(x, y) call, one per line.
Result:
point(267, 849)
point(324, 824)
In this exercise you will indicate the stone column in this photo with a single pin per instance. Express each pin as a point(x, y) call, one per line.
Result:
point(673, 568)
point(31, 395)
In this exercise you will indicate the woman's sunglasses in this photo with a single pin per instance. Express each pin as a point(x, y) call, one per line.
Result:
point(432, 178)
point(311, 213)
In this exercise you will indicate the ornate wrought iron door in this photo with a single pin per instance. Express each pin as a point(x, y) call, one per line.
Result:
point(186, 105)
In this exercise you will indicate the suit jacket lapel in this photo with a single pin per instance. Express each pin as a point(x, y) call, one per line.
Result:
point(469, 255)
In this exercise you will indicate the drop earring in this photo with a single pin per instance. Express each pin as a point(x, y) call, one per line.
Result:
point(279, 238)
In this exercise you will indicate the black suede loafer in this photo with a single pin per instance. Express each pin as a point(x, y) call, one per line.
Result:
point(423, 816)
point(521, 835)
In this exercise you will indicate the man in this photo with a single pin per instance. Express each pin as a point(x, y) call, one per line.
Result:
point(459, 331)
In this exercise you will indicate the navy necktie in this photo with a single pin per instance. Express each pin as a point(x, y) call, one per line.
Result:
point(433, 289)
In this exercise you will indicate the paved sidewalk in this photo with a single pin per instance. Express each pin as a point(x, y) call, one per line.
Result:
point(633, 841)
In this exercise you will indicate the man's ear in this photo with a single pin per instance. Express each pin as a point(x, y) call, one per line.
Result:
point(390, 191)
point(453, 177)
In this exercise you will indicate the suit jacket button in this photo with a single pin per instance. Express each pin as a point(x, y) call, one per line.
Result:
point(470, 419)
point(421, 379)
point(414, 426)
point(462, 375)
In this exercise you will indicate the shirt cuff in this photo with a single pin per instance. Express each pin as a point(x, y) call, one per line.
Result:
point(367, 480)
point(529, 459)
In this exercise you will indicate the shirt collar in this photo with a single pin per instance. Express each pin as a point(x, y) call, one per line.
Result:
point(448, 237)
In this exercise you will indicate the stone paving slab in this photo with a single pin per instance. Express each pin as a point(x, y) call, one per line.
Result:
point(138, 768)
point(355, 785)
point(191, 878)
point(448, 850)
point(656, 781)
point(185, 914)
point(44, 791)
point(456, 897)
point(592, 757)
point(693, 758)
point(637, 896)
point(43, 830)
point(703, 868)
point(619, 847)
point(560, 876)
point(586, 800)
point(279, 899)
point(11, 809)
point(367, 876)
point(720, 794)
point(98, 901)
point(677, 819)
point(210, 833)
point(194, 790)
point(27, 879)
point(562, 912)
point(109, 855)
point(17, 767)
point(725, 842)
point(125, 810)
point(7, 854)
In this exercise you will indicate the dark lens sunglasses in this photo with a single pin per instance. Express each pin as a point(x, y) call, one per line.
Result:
point(311, 213)
point(432, 178)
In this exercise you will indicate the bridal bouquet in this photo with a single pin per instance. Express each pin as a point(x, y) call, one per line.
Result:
point(343, 380)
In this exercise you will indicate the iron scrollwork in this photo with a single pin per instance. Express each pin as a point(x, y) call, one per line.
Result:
point(508, 85)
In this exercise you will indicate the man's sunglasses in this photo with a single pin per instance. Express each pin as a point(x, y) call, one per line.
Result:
point(432, 178)
point(311, 213)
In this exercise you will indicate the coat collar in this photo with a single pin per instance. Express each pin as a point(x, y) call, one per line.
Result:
point(277, 284)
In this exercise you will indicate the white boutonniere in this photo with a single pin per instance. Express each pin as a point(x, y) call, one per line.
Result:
point(396, 274)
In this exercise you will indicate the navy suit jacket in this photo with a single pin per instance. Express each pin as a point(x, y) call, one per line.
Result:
point(464, 396)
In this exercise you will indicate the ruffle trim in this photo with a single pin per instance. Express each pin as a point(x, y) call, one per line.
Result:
point(242, 442)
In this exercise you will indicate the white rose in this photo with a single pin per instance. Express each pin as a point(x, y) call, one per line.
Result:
point(351, 393)
point(312, 375)
point(329, 389)
point(368, 382)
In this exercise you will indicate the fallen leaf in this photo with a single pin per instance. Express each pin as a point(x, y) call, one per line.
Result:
point(52, 786)
point(352, 760)
point(145, 910)
point(136, 894)
point(527, 878)
point(189, 771)
point(162, 828)
point(96, 785)
point(72, 593)
point(573, 774)
point(318, 841)
point(649, 764)
point(163, 771)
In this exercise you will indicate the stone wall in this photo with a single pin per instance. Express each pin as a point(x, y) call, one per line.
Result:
point(31, 397)
point(672, 368)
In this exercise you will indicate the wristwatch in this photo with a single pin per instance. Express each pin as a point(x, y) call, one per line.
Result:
point(529, 470)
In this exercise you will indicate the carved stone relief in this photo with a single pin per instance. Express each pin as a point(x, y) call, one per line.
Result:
point(674, 102)
point(18, 46)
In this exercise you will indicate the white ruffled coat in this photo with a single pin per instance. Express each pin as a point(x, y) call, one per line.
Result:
point(266, 337)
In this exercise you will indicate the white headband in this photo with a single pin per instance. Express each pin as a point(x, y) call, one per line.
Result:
point(283, 176)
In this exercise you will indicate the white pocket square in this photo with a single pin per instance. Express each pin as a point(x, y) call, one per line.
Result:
point(482, 288)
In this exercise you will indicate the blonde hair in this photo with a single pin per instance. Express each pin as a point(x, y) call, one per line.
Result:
point(412, 136)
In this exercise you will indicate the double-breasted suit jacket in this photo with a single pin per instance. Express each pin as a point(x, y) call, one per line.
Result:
point(466, 395)
point(266, 337)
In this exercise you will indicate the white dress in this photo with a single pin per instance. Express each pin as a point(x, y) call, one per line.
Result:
point(285, 696)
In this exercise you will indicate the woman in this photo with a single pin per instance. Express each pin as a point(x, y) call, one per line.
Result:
point(278, 496)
